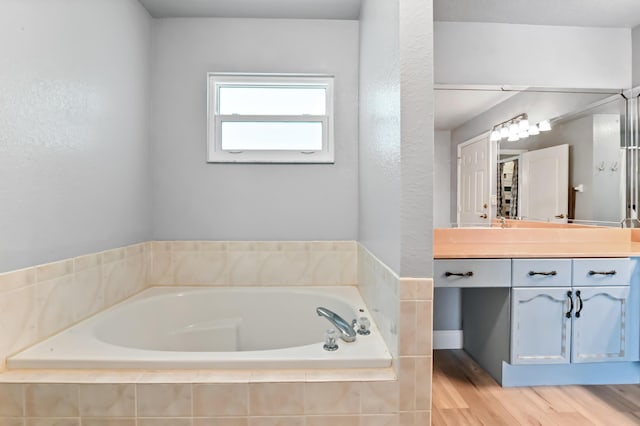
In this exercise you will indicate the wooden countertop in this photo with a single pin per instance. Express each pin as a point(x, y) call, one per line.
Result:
point(539, 242)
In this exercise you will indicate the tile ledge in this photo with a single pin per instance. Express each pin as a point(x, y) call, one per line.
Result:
point(196, 376)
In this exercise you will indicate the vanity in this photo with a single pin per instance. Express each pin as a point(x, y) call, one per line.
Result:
point(546, 306)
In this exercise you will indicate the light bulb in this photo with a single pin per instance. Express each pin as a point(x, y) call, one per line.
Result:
point(513, 137)
point(514, 129)
point(533, 130)
point(523, 124)
point(523, 134)
point(504, 132)
point(495, 136)
point(544, 126)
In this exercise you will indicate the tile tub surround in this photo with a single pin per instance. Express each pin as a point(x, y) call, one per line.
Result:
point(402, 398)
point(252, 263)
point(40, 301)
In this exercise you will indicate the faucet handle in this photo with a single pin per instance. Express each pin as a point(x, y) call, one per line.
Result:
point(364, 326)
point(330, 340)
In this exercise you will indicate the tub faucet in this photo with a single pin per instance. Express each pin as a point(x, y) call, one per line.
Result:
point(347, 333)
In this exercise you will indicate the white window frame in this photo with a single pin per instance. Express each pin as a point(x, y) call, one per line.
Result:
point(215, 153)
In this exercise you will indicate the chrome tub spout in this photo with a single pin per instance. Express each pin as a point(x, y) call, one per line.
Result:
point(347, 333)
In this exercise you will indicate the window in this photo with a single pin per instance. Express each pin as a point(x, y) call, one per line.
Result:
point(266, 118)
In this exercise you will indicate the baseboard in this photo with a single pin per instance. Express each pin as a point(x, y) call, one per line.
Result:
point(447, 339)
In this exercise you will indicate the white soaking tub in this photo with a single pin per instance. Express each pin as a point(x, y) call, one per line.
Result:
point(220, 327)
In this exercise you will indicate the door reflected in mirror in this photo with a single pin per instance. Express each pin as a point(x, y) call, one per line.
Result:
point(574, 172)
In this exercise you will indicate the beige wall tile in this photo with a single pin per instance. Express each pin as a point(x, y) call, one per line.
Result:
point(379, 397)
point(273, 399)
point(87, 261)
point(168, 421)
point(333, 420)
point(424, 327)
point(244, 267)
point(408, 418)
point(423, 383)
point(160, 271)
point(18, 320)
point(425, 289)
point(16, 279)
point(107, 400)
point(221, 421)
point(50, 271)
point(51, 400)
point(164, 400)
point(407, 341)
point(53, 422)
point(423, 418)
point(200, 268)
point(11, 400)
point(114, 255)
point(220, 399)
point(380, 420)
point(284, 268)
point(348, 267)
point(332, 398)
point(12, 421)
point(325, 267)
point(108, 421)
point(407, 383)
point(276, 421)
point(212, 246)
point(54, 298)
point(88, 293)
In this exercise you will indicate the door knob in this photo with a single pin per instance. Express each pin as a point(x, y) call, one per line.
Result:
point(483, 215)
point(559, 216)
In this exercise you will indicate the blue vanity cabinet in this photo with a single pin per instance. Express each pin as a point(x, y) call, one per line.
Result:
point(541, 306)
point(540, 326)
point(600, 325)
point(576, 318)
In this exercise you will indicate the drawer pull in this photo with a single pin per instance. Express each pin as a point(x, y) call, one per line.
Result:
point(581, 304)
point(602, 272)
point(458, 274)
point(532, 273)
point(568, 314)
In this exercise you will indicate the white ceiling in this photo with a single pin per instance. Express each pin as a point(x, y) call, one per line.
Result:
point(587, 13)
point(286, 9)
point(456, 107)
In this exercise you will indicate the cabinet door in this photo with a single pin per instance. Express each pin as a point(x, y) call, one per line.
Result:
point(600, 324)
point(540, 328)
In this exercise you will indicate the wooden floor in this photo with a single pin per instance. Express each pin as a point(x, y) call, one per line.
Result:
point(464, 394)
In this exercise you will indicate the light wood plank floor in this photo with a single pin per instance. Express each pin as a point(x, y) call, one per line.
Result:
point(464, 394)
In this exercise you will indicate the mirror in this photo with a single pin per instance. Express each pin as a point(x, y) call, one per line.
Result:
point(575, 172)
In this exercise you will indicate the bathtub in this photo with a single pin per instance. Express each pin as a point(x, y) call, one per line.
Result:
point(221, 327)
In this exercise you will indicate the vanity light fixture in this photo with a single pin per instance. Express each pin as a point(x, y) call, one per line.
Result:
point(517, 128)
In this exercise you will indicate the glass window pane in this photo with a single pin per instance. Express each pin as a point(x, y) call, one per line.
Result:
point(246, 136)
point(272, 100)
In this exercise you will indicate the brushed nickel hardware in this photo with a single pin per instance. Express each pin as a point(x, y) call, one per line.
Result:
point(347, 333)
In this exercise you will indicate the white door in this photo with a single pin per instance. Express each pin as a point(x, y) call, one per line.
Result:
point(474, 183)
point(545, 184)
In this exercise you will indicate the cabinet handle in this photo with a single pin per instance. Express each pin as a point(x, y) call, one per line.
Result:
point(532, 273)
point(581, 304)
point(483, 216)
point(568, 314)
point(458, 274)
point(613, 272)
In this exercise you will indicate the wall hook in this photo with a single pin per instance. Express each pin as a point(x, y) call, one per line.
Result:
point(601, 167)
point(614, 166)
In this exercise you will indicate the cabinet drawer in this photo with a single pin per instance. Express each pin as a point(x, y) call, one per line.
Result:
point(601, 271)
point(541, 273)
point(472, 273)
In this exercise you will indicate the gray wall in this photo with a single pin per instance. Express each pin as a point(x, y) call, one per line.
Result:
point(196, 200)
point(396, 134)
point(636, 55)
point(554, 56)
point(441, 180)
point(74, 112)
point(379, 162)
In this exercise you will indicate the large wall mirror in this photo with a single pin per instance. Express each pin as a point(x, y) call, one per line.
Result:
point(553, 155)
